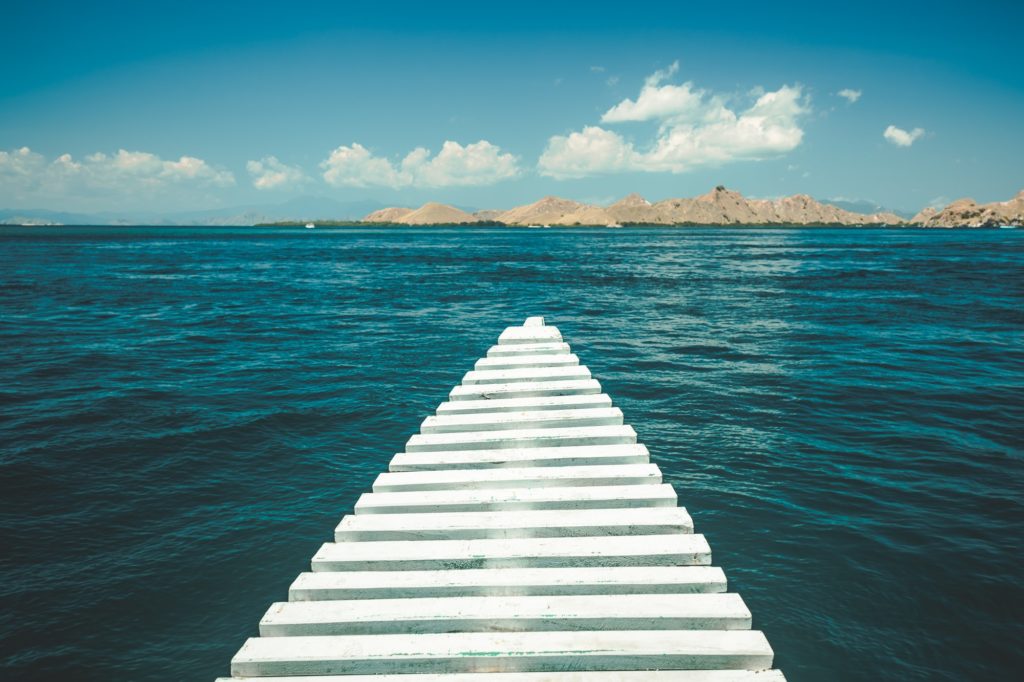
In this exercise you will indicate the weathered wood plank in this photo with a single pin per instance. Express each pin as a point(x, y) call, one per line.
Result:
point(522, 477)
point(578, 455)
point(557, 402)
point(643, 550)
point(525, 389)
point(504, 652)
point(522, 438)
point(539, 419)
point(485, 582)
point(715, 611)
point(514, 499)
point(517, 524)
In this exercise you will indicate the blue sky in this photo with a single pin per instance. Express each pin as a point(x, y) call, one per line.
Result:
point(164, 106)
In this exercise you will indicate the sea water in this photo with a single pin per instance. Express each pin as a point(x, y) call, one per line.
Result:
point(187, 413)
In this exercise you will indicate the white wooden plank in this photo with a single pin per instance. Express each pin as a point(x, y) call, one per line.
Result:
point(521, 477)
point(525, 389)
point(561, 676)
point(640, 550)
point(522, 438)
point(526, 361)
point(497, 351)
point(504, 652)
point(485, 582)
point(514, 499)
point(579, 455)
point(714, 611)
point(557, 402)
point(519, 335)
point(518, 524)
point(538, 419)
point(526, 374)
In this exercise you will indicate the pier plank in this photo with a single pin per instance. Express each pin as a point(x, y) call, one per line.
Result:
point(484, 582)
point(536, 419)
point(642, 550)
point(522, 477)
point(504, 652)
point(570, 455)
point(524, 389)
point(520, 335)
point(518, 524)
point(522, 438)
point(701, 611)
point(526, 374)
point(557, 402)
point(560, 676)
point(526, 361)
point(516, 499)
point(528, 349)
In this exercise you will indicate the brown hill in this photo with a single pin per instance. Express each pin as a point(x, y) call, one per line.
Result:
point(387, 215)
point(969, 213)
point(431, 213)
point(633, 208)
point(720, 206)
point(556, 211)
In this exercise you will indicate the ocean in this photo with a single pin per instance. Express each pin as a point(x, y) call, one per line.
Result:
point(188, 412)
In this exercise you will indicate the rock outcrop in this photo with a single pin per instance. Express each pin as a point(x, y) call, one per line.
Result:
point(969, 213)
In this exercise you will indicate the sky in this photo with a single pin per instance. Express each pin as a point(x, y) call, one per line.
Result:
point(164, 106)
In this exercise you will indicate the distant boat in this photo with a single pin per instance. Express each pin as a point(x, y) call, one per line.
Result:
point(614, 225)
point(310, 226)
point(1007, 227)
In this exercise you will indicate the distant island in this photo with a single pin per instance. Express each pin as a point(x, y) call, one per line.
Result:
point(720, 206)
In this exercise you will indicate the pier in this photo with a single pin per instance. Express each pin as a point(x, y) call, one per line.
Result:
point(523, 535)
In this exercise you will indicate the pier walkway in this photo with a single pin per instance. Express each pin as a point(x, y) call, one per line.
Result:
point(523, 535)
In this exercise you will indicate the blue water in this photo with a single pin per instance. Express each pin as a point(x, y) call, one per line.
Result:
point(188, 412)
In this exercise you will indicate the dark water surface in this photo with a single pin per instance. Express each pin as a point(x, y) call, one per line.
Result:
point(188, 412)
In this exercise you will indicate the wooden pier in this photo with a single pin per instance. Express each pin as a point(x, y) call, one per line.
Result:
point(522, 536)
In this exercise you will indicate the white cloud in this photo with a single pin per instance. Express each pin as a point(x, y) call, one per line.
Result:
point(695, 128)
point(850, 95)
point(27, 173)
point(597, 69)
point(900, 137)
point(479, 163)
point(592, 150)
point(269, 173)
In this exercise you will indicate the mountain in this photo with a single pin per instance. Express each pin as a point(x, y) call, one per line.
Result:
point(387, 215)
point(433, 213)
point(633, 208)
point(556, 211)
point(969, 213)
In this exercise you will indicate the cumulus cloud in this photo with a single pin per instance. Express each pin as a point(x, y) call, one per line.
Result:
point(25, 172)
point(269, 173)
point(479, 163)
point(694, 128)
point(850, 95)
point(900, 137)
